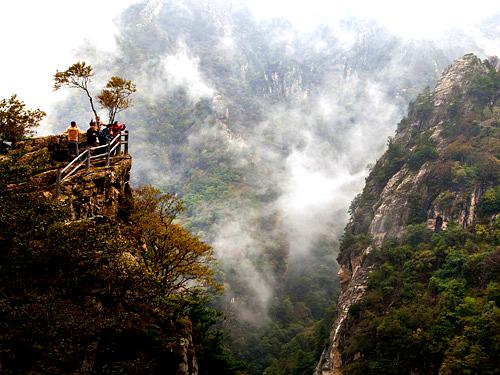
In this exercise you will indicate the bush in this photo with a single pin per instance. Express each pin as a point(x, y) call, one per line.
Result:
point(490, 202)
point(424, 150)
point(464, 175)
point(417, 234)
point(17, 121)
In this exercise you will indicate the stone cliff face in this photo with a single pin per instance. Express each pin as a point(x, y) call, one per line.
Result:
point(422, 177)
point(100, 191)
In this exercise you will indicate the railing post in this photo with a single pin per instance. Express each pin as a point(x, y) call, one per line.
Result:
point(89, 154)
point(119, 145)
point(126, 142)
point(58, 183)
point(107, 154)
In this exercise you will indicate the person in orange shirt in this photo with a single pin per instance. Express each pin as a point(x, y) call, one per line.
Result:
point(73, 133)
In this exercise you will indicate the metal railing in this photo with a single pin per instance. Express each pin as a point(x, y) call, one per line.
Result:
point(85, 158)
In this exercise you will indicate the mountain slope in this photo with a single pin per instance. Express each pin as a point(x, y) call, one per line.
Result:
point(441, 170)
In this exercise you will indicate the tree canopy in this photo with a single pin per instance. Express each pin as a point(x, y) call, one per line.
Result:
point(114, 97)
point(16, 120)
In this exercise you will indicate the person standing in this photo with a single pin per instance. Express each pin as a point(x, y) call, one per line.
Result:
point(73, 134)
point(117, 128)
point(92, 135)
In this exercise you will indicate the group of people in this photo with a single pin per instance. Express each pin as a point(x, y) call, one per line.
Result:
point(98, 134)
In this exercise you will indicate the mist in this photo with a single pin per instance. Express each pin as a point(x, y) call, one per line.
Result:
point(263, 116)
point(326, 98)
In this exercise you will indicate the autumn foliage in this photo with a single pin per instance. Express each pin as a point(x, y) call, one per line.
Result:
point(101, 296)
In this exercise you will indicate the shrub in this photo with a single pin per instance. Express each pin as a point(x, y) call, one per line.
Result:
point(490, 202)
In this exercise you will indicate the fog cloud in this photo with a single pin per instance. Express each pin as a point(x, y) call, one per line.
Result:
point(182, 70)
point(305, 156)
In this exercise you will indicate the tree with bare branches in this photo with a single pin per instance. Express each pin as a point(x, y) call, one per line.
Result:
point(78, 75)
point(114, 97)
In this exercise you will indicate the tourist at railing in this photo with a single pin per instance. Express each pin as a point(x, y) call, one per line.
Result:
point(92, 135)
point(116, 129)
point(73, 134)
point(106, 134)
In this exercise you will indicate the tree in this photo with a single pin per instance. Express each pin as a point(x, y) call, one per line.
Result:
point(16, 120)
point(78, 76)
point(115, 97)
point(178, 261)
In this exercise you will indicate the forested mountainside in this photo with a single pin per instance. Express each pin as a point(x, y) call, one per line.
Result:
point(420, 256)
point(99, 279)
point(265, 133)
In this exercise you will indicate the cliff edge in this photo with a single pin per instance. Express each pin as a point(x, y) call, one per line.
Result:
point(436, 170)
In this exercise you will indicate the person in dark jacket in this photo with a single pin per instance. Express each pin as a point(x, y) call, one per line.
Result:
point(106, 133)
point(92, 135)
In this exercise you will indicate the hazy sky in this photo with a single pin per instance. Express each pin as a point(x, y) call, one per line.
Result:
point(39, 37)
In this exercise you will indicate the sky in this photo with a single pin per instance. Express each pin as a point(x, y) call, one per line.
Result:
point(40, 37)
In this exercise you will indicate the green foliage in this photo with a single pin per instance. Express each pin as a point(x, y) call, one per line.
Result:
point(394, 159)
point(423, 106)
point(490, 202)
point(417, 208)
point(352, 245)
point(20, 167)
point(486, 89)
point(81, 297)
point(425, 150)
point(16, 121)
point(301, 318)
point(464, 175)
point(431, 306)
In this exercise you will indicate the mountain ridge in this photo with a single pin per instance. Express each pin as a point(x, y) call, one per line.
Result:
point(428, 175)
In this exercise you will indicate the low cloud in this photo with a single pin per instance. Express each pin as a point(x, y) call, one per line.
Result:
point(182, 70)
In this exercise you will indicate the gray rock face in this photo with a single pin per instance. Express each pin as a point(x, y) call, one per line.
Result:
point(390, 211)
point(100, 191)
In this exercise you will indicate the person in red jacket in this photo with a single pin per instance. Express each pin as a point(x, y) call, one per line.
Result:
point(116, 129)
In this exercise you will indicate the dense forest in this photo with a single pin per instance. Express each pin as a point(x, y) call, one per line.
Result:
point(431, 301)
point(124, 294)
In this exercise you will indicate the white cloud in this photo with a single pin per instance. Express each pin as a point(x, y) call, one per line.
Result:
point(40, 37)
point(182, 70)
point(416, 19)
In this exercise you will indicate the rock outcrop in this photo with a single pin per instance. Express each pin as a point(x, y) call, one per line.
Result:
point(100, 191)
point(421, 178)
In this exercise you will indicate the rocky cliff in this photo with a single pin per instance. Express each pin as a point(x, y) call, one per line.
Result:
point(436, 169)
point(99, 197)
point(101, 191)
